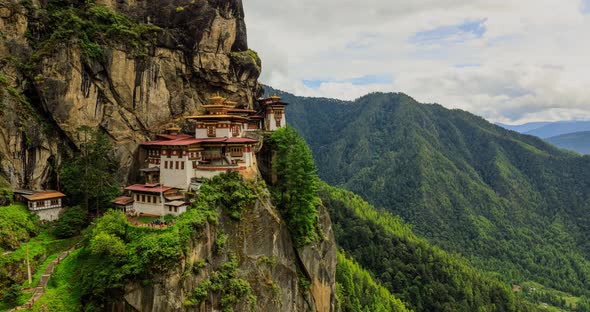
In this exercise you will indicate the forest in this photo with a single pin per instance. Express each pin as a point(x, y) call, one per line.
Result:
point(513, 205)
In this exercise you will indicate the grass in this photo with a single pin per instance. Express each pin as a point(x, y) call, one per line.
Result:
point(147, 219)
point(16, 225)
point(42, 246)
point(61, 294)
point(569, 298)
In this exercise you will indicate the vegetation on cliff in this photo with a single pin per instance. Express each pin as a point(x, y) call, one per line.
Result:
point(512, 204)
point(117, 253)
point(295, 192)
point(90, 25)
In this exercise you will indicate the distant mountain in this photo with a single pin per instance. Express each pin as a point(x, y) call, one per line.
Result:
point(512, 204)
point(524, 127)
point(577, 141)
point(549, 129)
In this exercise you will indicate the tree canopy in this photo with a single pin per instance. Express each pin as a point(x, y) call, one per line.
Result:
point(295, 191)
point(512, 204)
point(89, 177)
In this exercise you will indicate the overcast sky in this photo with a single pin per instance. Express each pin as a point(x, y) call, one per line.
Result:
point(507, 60)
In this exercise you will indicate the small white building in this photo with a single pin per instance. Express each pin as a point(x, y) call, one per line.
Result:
point(156, 200)
point(123, 203)
point(274, 113)
point(46, 204)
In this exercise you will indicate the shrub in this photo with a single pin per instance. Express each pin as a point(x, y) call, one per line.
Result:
point(12, 294)
point(233, 193)
point(71, 222)
point(225, 282)
point(6, 196)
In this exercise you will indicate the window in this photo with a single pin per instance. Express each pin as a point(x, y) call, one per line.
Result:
point(143, 198)
point(165, 164)
point(175, 209)
point(278, 123)
point(169, 209)
point(236, 151)
point(54, 202)
point(177, 165)
point(211, 131)
point(182, 165)
point(235, 130)
point(194, 165)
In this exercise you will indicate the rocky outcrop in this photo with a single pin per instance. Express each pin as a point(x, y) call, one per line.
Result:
point(282, 278)
point(200, 49)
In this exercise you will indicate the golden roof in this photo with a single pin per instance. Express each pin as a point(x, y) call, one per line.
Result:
point(218, 100)
point(216, 117)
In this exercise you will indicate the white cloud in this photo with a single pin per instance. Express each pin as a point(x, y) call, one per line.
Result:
point(506, 60)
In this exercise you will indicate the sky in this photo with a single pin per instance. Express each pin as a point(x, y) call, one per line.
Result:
point(510, 61)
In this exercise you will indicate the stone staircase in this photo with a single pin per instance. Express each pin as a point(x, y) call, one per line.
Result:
point(39, 290)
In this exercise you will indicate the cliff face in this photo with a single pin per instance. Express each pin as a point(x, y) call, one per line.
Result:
point(196, 49)
point(282, 278)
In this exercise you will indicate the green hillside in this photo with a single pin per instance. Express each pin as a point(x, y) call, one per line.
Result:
point(577, 141)
point(423, 276)
point(512, 204)
point(357, 291)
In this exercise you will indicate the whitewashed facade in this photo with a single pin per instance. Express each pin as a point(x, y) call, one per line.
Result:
point(220, 143)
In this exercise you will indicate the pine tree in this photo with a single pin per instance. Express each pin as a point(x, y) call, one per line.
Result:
point(90, 175)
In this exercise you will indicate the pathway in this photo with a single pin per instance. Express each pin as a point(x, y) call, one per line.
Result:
point(44, 280)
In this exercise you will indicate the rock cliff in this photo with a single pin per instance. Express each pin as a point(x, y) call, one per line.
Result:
point(282, 278)
point(126, 67)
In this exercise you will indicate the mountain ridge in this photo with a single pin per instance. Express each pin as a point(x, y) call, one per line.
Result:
point(501, 198)
point(577, 141)
point(546, 130)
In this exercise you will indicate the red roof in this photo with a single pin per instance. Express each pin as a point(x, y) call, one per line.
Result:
point(181, 141)
point(184, 140)
point(174, 137)
point(147, 189)
point(228, 140)
point(122, 200)
point(241, 140)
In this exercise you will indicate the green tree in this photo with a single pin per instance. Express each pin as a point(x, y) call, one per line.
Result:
point(71, 222)
point(357, 290)
point(12, 294)
point(89, 177)
point(295, 192)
